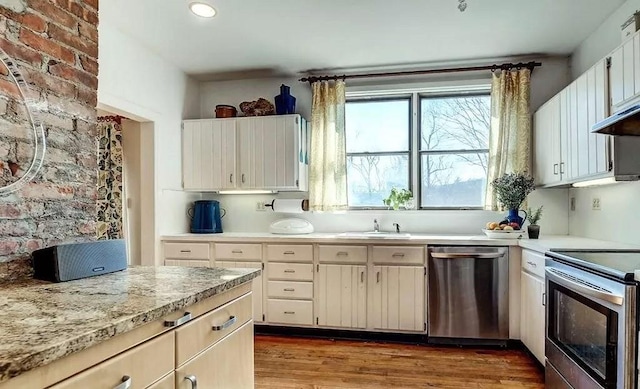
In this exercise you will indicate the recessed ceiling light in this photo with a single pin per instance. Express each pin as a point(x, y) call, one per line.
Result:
point(203, 10)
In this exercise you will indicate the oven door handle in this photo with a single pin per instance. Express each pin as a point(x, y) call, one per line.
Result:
point(578, 286)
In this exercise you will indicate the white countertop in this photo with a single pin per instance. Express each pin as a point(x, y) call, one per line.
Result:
point(545, 243)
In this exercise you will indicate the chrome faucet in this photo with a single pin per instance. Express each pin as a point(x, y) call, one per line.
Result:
point(397, 226)
point(376, 226)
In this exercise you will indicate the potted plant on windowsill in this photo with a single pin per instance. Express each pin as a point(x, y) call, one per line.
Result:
point(534, 217)
point(398, 198)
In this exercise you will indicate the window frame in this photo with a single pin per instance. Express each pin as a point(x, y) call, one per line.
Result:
point(415, 97)
point(409, 152)
point(421, 96)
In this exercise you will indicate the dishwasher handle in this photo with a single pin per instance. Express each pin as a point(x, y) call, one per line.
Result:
point(467, 255)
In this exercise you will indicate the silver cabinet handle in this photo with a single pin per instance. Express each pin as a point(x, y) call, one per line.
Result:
point(561, 167)
point(361, 276)
point(555, 169)
point(377, 277)
point(289, 271)
point(289, 290)
point(289, 313)
point(126, 383)
point(532, 264)
point(242, 178)
point(342, 254)
point(231, 178)
point(289, 253)
point(401, 255)
point(544, 299)
point(466, 255)
point(225, 325)
point(175, 323)
point(193, 380)
point(236, 251)
point(185, 251)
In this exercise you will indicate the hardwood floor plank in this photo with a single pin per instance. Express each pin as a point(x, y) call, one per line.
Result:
point(300, 363)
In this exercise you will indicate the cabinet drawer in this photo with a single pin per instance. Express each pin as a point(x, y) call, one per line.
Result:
point(342, 254)
point(239, 252)
point(533, 262)
point(290, 311)
point(399, 255)
point(290, 289)
point(186, 263)
point(290, 252)
point(206, 330)
point(290, 271)
point(186, 251)
point(143, 364)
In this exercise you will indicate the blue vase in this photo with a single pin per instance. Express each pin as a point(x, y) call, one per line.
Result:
point(514, 217)
point(285, 103)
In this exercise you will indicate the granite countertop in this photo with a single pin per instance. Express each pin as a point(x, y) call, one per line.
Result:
point(41, 322)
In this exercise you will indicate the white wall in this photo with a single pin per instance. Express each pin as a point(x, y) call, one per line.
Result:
point(135, 82)
point(603, 40)
point(615, 220)
point(241, 209)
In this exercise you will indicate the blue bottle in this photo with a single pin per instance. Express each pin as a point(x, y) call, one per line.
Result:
point(285, 103)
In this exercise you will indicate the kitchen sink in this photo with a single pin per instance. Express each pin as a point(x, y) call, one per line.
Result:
point(375, 235)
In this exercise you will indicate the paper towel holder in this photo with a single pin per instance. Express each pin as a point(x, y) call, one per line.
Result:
point(304, 204)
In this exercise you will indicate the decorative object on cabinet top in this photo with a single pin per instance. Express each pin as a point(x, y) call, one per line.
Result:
point(260, 107)
point(285, 102)
point(226, 111)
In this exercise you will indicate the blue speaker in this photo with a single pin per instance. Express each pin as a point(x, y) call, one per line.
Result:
point(206, 217)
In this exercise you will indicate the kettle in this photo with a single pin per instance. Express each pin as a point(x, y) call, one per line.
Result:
point(205, 217)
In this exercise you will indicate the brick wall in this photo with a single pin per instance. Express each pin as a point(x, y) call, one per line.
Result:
point(55, 44)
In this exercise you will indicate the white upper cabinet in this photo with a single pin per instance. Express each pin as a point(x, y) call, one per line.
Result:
point(266, 152)
point(625, 74)
point(566, 151)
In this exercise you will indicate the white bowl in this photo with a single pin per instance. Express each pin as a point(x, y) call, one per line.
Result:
point(502, 234)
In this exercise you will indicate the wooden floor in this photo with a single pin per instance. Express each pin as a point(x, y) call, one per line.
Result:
point(285, 363)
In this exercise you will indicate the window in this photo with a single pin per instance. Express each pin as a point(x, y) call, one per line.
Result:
point(440, 153)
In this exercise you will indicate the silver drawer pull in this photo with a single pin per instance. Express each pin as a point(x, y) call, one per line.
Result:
point(289, 253)
point(185, 251)
point(289, 271)
point(289, 313)
point(226, 324)
point(289, 290)
point(175, 323)
point(401, 255)
point(193, 380)
point(532, 264)
point(236, 251)
point(342, 254)
point(126, 383)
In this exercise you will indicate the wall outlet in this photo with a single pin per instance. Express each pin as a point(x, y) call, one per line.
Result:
point(260, 206)
point(572, 204)
point(595, 203)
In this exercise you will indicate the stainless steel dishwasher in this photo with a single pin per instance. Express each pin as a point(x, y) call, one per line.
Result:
point(468, 297)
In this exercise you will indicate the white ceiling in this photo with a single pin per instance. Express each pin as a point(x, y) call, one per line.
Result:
point(289, 36)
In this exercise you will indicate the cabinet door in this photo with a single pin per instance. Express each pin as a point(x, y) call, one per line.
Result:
point(570, 168)
point(342, 296)
point(269, 152)
point(397, 298)
point(532, 315)
point(256, 286)
point(167, 382)
point(628, 68)
point(209, 154)
point(616, 77)
point(598, 110)
point(565, 117)
point(547, 142)
point(583, 130)
point(226, 365)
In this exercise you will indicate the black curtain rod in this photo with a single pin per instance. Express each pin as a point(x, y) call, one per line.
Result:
point(505, 66)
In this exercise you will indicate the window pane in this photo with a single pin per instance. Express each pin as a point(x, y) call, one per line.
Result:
point(455, 123)
point(454, 180)
point(371, 177)
point(374, 126)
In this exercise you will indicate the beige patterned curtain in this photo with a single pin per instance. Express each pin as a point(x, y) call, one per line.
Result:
point(328, 162)
point(510, 136)
point(109, 202)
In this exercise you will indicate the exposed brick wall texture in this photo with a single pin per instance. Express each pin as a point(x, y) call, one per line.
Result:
point(55, 44)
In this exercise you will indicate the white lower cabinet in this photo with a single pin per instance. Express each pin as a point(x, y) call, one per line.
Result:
point(225, 365)
point(397, 298)
point(532, 298)
point(342, 296)
point(256, 287)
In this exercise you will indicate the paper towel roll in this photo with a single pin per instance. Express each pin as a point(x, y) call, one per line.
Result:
point(289, 205)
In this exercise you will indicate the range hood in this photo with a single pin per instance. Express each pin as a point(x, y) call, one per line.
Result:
point(626, 122)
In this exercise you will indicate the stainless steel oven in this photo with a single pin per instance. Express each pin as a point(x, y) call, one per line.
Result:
point(590, 329)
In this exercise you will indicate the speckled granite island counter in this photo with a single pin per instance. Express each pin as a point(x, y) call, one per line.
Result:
point(43, 324)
